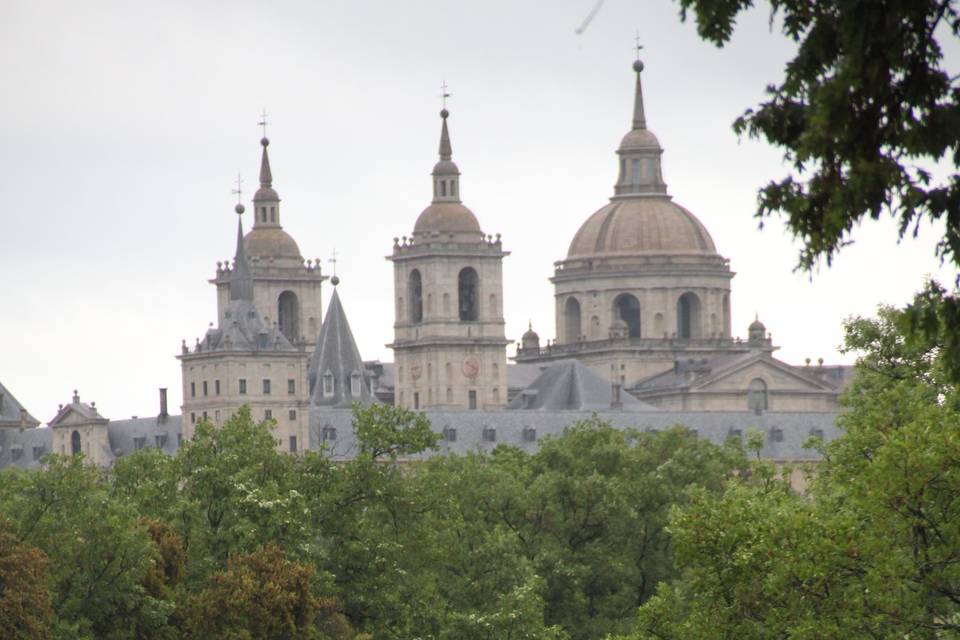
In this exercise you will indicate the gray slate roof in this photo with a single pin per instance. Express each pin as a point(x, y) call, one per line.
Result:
point(336, 362)
point(568, 385)
point(784, 433)
point(10, 410)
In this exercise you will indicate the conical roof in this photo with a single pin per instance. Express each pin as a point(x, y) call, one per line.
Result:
point(337, 374)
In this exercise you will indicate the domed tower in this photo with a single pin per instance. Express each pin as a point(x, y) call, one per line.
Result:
point(285, 287)
point(246, 360)
point(642, 283)
point(449, 343)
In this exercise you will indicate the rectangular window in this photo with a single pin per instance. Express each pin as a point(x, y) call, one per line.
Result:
point(204, 387)
point(139, 442)
point(243, 387)
point(293, 444)
point(160, 440)
point(179, 439)
point(193, 418)
point(472, 399)
point(355, 385)
point(416, 399)
point(193, 389)
point(291, 386)
point(489, 434)
point(266, 386)
point(216, 416)
point(268, 414)
point(329, 434)
point(205, 416)
point(450, 434)
point(216, 387)
point(328, 384)
point(38, 451)
point(292, 414)
point(529, 434)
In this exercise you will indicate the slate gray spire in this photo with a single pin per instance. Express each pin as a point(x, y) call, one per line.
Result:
point(639, 118)
point(337, 375)
point(446, 151)
point(266, 176)
point(241, 282)
point(446, 174)
point(641, 173)
point(266, 202)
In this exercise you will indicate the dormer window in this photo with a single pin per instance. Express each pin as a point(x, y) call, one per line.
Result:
point(328, 384)
point(355, 384)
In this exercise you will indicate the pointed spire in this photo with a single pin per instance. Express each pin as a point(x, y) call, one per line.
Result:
point(266, 177)
point(446, 174)
point(639, 117)
point(241, 282)
point(640, 168)
point(337, 374)
point(446, 151)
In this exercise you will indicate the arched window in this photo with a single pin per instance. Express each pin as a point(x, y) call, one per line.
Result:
point(571, 320)
point(75, 442)
point(757, 396)
point(467, 285)
point(688, 316)
point(415, 294)
point(288, 315)
point(627, 308)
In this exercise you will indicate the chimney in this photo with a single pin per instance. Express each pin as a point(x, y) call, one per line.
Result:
point(23, 417)
point(163, 403)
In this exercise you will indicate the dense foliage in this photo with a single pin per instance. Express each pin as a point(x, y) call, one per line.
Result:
point(867, 115)
point(233, 539)
point(873, 551)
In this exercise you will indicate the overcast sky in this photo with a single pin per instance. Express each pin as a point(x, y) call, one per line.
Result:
point(123, 124)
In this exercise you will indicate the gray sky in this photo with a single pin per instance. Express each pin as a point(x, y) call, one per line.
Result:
point(123, 124)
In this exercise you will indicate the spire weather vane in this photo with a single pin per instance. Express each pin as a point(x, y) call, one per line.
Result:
point(333, 260)
point(444, 94)
point(239, 190)
point(638, 46)
point(263, 121)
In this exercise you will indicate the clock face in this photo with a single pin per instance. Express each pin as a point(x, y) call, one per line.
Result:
point(471, 367)
point(416, 370)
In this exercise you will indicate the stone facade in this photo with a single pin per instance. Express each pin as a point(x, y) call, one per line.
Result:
point(449, 339)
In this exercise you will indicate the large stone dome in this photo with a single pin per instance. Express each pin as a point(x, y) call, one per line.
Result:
point(271, 242)
point(447, 217)
point(641, 225)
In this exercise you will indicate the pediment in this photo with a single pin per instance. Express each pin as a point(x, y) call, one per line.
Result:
point(69, 416)
point(777, 375)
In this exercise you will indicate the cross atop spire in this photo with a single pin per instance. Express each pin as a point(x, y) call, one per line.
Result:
point(444, 94)
point(263, 122)
point(638, 46)
point(239, 190)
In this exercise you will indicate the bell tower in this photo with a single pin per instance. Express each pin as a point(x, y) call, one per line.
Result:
point(449, 342)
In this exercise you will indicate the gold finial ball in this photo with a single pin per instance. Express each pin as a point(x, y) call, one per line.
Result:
point(638, 66)
point(239, 209)
point(264, 141)
point(335, 280)
point(444, 114)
